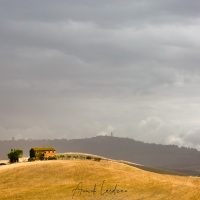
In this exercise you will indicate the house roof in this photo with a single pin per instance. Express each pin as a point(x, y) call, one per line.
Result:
point(43, 149)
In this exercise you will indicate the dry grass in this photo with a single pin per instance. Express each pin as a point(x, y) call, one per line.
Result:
point(56, 179)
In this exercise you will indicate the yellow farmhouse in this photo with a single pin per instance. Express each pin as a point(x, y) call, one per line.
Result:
point(42, 152)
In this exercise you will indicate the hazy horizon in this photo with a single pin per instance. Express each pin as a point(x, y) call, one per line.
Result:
point(77, 69)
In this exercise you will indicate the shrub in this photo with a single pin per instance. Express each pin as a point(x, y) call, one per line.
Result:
point(52, 158)
point(75, 156)
point(2, 163)
point(41, 158)
point(61, 156)
point(88, 157)
point(82, 157)
point(31, 159)
point(97, 159)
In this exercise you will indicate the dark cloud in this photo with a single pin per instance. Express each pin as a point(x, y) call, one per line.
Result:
point(105, 13)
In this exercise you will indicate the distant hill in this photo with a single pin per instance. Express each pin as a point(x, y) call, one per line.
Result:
point(91, 180)
point(183, 160)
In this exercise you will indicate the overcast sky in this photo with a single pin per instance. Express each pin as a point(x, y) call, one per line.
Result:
point(82, 68)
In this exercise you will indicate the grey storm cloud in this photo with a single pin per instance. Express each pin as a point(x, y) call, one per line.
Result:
point(71, 69)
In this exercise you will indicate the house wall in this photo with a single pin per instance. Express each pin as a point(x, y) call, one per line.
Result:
point(49, 153)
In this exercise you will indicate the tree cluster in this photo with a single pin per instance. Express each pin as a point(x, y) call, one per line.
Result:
point(14, 155)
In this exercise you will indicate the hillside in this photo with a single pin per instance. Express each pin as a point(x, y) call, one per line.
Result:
point(64, 179)
point(183, 160)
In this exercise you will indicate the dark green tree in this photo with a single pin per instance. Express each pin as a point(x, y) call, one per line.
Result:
point(14, 155)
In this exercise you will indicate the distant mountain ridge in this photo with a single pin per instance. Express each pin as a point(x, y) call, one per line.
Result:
point(184, 160)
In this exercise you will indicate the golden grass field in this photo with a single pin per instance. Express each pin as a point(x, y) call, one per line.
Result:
point(68, 179)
